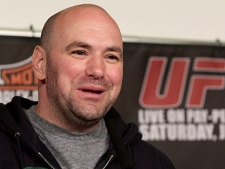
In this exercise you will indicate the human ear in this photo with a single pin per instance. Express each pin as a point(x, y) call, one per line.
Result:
point(39, 62)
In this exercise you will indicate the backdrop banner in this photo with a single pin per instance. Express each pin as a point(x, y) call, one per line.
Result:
point(175, 94)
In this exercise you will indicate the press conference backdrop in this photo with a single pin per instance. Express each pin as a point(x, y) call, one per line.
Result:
point(175, 93)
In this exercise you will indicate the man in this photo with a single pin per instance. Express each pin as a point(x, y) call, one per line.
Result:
point(79, 65)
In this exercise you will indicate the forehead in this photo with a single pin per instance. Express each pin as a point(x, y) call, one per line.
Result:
point(86, 22)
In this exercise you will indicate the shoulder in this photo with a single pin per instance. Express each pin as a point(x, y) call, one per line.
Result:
point(147, 155)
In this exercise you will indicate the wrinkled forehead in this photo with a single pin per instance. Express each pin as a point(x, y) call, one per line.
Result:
point(83, 19)
point(90, 16)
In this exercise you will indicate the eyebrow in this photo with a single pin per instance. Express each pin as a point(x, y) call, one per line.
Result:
point(87, 46)
point(115, 49)
point(77, 44)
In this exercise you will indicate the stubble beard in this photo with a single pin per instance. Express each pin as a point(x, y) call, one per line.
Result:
point(72, 114)
point(75, 115)
point(88, 112)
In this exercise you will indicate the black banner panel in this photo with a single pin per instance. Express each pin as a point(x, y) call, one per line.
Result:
point(16, 74)
point(174, 93)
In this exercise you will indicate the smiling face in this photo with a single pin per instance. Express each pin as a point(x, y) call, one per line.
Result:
point(84, 68)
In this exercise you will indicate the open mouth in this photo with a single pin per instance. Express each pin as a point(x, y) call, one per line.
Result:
point(92, 91)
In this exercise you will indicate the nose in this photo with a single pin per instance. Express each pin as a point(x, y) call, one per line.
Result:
point(95, 67)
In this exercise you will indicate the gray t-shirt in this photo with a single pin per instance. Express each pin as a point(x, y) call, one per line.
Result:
point(72, 150)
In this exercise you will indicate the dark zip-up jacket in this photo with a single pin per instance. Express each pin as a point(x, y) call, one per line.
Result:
point(20, 147)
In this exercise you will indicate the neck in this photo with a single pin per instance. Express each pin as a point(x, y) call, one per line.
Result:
point(70, 122)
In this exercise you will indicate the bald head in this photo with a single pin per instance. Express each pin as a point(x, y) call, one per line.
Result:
point(86, 13)
point(81, 50)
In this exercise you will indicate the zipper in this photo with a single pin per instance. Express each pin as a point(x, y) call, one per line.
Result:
point(17, 135)
point(107, 163)
point(43, 158)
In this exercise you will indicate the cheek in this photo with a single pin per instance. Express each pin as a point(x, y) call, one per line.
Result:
point(63, 76)
point(116, 76)
point(70, 69)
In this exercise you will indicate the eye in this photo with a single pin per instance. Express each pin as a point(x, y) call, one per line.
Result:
point(78, 52)
point(112, 58)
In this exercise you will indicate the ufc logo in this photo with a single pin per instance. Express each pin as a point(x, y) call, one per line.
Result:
point(176, 82)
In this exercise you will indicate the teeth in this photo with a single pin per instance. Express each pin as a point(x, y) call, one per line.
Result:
point(86, 90)
point(92, 91)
